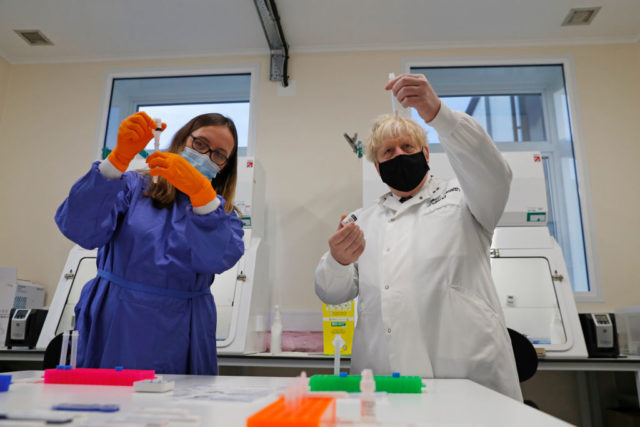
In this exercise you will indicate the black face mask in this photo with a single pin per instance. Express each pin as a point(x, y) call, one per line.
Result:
point(404, 172)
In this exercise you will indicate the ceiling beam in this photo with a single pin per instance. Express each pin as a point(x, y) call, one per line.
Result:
point(278, 47)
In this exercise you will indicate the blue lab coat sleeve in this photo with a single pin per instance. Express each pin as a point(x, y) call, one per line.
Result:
point(216, 229)
point(89, 215)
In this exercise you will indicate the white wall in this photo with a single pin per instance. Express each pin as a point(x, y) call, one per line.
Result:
point(51, 117)
point(4, 77)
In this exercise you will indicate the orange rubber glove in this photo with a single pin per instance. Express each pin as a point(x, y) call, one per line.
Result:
point(178, 171)
point(134, 134)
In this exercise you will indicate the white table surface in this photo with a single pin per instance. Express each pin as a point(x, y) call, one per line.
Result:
point(450, 402)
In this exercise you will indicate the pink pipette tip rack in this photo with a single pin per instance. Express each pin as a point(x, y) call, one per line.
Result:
point(117, 376)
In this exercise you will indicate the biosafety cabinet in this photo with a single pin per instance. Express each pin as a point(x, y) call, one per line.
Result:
point(527, 264)
point(241, 294)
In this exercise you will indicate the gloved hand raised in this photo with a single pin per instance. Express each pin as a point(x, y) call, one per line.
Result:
point(134, 134)
point(178, 171)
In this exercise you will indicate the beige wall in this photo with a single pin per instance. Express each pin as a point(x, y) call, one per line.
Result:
point(51, 119)
point(4, 77)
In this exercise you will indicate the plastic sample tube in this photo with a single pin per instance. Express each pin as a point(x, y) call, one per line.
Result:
point(74, 348)
point(367, 397)
point(289, 395)
point(394, 101)
point(63, 350)
point(156, 142)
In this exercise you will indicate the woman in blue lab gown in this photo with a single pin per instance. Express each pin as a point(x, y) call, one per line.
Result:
point(159, 247)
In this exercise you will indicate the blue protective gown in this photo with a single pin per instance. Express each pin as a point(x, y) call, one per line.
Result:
point(170, 255)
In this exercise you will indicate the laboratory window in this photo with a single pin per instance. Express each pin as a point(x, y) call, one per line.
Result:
point(176, 100)
point(525, 108)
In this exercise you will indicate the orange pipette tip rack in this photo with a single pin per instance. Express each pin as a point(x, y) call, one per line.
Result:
point(310, 412)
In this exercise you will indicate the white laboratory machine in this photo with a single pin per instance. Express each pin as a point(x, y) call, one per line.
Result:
point(241, 293)
point(527, 264)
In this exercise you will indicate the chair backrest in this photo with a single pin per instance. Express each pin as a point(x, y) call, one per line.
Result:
point(525, 355)
point(52, 353)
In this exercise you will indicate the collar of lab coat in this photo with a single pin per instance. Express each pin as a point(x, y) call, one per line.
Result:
point(431, 189)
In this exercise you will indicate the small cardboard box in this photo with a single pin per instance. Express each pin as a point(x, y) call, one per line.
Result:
point(338, 320)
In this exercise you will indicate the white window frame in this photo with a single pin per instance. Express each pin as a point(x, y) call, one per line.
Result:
point(595, 293)
point(111, 75)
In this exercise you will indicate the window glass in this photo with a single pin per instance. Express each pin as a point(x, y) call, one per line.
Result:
point(507, 118)
point(176, 100)
point(524, 108)
point(175, 116)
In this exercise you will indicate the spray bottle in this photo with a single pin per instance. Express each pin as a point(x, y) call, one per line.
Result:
point(276, 332)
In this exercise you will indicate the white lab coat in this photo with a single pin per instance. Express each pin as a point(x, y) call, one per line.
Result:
point(427, 304)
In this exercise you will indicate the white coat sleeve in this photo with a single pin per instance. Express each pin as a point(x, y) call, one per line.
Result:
point(483, 173)
point(335, 283)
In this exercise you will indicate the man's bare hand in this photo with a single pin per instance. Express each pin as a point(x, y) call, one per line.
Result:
point(414, 90)
point(347, 243)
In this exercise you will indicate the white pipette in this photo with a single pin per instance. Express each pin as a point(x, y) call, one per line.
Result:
point(337, 342)
point(156, 142)
point(74, 349)
point(63, 350)
point(394, 101)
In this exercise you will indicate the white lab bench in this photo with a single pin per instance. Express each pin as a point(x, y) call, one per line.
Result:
point(443, 401)
point(290, 364)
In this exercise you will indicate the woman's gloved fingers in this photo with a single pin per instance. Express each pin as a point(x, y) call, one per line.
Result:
point(157, 159)
point(186, 178)
point(137, 127)
point(134, 134)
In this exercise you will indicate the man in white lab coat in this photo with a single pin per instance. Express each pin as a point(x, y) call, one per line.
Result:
point(427, 304)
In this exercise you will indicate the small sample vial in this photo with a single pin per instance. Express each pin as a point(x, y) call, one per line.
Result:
point(158, 124)
point(367, 397)
point(349, 218)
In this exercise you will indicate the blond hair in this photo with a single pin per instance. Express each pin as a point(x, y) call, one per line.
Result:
point(391, 126)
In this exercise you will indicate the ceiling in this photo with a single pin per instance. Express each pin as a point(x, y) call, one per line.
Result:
point(99, 30)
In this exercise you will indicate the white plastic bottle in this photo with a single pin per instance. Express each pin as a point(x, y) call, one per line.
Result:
point(276, 332)
point(367, 397)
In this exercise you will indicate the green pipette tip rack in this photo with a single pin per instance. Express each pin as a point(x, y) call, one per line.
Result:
point(351, 383)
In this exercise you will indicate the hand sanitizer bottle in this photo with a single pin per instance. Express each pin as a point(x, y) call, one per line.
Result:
point(276, 332)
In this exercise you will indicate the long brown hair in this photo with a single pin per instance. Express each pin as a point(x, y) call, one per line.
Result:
point(163, 192)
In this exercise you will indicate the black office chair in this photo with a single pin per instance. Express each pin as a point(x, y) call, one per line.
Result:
point(52, 353)
point(526, 358)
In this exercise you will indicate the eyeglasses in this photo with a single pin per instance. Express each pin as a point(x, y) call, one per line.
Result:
point(202, 147)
